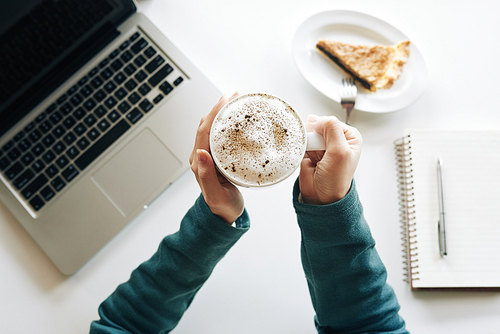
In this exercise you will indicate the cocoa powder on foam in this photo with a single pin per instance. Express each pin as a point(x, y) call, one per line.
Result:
point(258, 139)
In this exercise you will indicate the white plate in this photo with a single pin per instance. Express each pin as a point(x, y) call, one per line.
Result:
point(356, 28)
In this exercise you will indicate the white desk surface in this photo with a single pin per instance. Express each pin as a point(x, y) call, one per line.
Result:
point(259, 287)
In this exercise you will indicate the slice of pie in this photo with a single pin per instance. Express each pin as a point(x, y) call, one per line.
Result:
point(373, 66)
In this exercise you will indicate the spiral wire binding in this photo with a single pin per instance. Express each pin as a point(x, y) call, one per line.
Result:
point(407, 208)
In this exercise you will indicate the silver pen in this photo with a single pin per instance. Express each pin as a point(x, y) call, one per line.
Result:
point(441, 221)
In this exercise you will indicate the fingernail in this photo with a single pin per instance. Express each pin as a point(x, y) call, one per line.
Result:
point(202, 158)
point(312, 118)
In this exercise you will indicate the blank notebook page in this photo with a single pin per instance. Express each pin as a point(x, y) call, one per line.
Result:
point(471, 180)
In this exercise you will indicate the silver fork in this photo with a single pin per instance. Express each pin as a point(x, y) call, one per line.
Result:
point(348, 93)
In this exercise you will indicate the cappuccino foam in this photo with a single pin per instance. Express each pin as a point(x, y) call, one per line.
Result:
point(258, 139)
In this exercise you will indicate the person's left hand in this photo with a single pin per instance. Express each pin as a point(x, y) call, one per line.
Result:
point(221, 196)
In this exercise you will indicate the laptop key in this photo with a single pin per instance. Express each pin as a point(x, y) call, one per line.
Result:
point(107, 73)
point(140, 76)
point(30, 126)
point(76, 100)
point(70, 173)
point(135, 36)
point(114, 116)
point(66, 108)
point(96, 82)
point(83, 143)
point(178, 81)
point(14, 154)
point(102, 144)
point(62, 161)
point(90, 120)
point(130, 69)
point(120, 78)
point(158, 98)
point(69, 122)
point(110, 102)
point(90, 104)
point(19, 136)
point(45, 127)
point(35, 135)
point(49, 156)
point(59, 147)
point(154, 64)
point(8, 146)
point(48, 140)
point(58, 183)
point(72, 152)
point(146, 105)
point(140, 60)
point(40, 117)
point(120, 93)
point(47, 193)
point(130, 85)
point(23, 179)
point(110, 86)
point(80, 129)
point(37, 203)
point(117, 64)
point(38, 166)
point(126, 56)
point(160, 75)
point(124, 107)
point(99, 95)
point(166, 87)
point(86, 91)
point(93, 134)
point(73, 89)
point(14, 170)
point(100, 111)
point(34, 186)
point(38, 149)
point(134, 115)
point(134, 98)
point(27, 159)
point(4, 163)
point(59, 131)
point(79, 113)
point(52, 171)
point(150, 52)
point(144, 89)
point(69, 138)
point(139, 45)
point(55, 118)
point(103, 125)
point(24, 145)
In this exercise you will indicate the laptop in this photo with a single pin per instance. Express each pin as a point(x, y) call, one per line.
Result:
point(98, 114)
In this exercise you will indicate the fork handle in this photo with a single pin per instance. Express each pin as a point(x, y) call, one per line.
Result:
point(347, 109)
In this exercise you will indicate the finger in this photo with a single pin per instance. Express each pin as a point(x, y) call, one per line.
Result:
point(207, 174)
point(332, 130)
point(306, 177)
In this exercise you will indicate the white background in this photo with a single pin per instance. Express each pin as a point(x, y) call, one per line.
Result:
point(259, 287)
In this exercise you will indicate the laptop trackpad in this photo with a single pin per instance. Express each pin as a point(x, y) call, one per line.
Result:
point(143, 167)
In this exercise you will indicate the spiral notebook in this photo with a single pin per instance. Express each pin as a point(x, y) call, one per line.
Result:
point(470, 178)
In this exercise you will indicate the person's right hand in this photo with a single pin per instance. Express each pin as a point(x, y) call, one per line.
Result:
point(325, 176)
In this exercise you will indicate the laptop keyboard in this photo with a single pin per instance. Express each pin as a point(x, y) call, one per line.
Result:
point(65, 138)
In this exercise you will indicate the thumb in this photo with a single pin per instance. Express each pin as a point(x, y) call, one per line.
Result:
point(206, 171)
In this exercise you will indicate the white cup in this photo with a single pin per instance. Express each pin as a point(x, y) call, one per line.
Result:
point(258, 140)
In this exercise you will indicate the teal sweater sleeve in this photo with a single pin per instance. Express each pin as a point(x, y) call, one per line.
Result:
point(161, 289)
point(345, 275)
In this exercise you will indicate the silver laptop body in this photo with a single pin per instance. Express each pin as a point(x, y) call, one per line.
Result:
point(102, 192)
